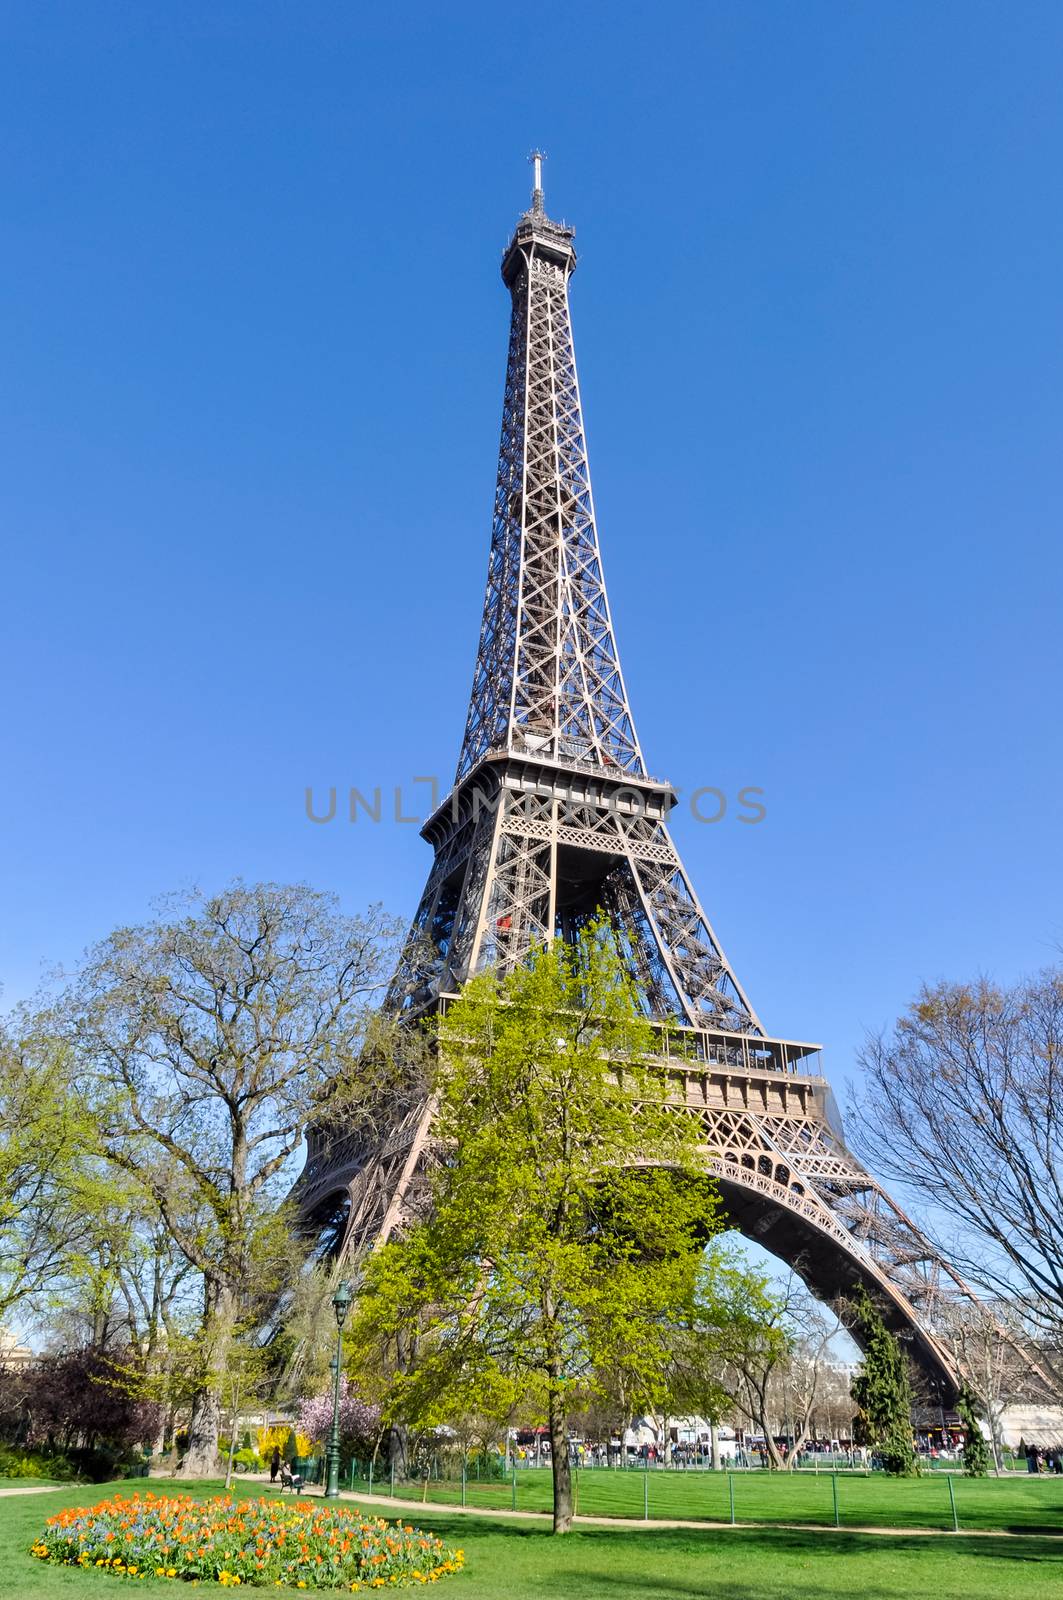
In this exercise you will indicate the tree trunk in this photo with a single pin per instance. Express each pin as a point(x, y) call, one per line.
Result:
point(771, 1449)
point(996, 1438)
point(398, 1435)
point(204, 1424)
point(714, 1445)
point(234, 1419)
point(562, 1468)
point(798, 1442)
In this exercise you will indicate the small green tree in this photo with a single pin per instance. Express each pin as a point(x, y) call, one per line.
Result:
point(569, 1206)
point(976, 1457)
point(770, 1344)
point(882, 1392)
point(725, 1360)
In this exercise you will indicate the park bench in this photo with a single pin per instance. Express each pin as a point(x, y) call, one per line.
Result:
point(291, 1480)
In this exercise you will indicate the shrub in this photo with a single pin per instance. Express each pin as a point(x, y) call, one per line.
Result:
point(290, 1443)
point(298, 1544)
point(16, 1463)
point(101, 1462)
point(88, 1394)
point(92, 1464)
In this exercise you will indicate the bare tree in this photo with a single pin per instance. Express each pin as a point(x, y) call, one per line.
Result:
point(208, 1041)
point(834, 1410)
point(962, 1103)
point(812, 1328)
point(988, 1341)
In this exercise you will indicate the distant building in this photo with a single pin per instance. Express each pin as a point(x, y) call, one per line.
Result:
point(1037, 1425)
point(13, 1354)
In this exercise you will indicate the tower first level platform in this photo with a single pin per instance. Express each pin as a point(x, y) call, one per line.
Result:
point(530, 847)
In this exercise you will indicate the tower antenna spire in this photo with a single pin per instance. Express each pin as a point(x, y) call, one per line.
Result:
point(537, 158)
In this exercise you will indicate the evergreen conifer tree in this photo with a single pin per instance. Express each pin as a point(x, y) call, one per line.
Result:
point(976, 1458)
point(883, 1393)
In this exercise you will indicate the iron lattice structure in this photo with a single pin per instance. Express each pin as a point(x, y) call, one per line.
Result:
point(553, 818)
point(553, 814)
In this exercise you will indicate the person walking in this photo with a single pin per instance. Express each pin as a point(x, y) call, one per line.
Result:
point(275, 1463)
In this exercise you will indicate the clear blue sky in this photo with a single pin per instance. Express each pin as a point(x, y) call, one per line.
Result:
point(253, 347)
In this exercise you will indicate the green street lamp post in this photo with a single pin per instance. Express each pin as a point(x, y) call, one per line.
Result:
point(341, 1304)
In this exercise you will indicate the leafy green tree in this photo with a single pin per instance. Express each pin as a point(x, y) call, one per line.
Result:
point(569, 1206)
point(207, 1042)
point(976, 1457)
point(726, 1357)
point(126, 1283)
point(53, 1193)
point(882, 1392)
point(767, 1345)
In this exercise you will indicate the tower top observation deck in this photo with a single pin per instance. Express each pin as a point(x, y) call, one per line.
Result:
point(551, 239)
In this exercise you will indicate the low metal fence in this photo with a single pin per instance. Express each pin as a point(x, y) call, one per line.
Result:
point(653, 1492)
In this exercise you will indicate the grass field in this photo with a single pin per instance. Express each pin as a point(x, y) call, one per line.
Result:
point(522, 1561)
point(1030, 1504)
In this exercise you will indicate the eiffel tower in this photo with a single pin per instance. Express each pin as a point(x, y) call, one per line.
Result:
point(553, 819)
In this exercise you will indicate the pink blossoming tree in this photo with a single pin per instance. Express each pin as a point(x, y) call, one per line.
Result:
point(359, 1421)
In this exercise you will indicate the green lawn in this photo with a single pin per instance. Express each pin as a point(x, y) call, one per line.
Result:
point(1032, 1504)
point(515, 1561)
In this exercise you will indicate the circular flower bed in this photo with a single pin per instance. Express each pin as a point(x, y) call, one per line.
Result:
point(300, 1544)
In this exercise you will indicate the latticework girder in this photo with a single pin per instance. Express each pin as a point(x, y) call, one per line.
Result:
point(547, 674)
